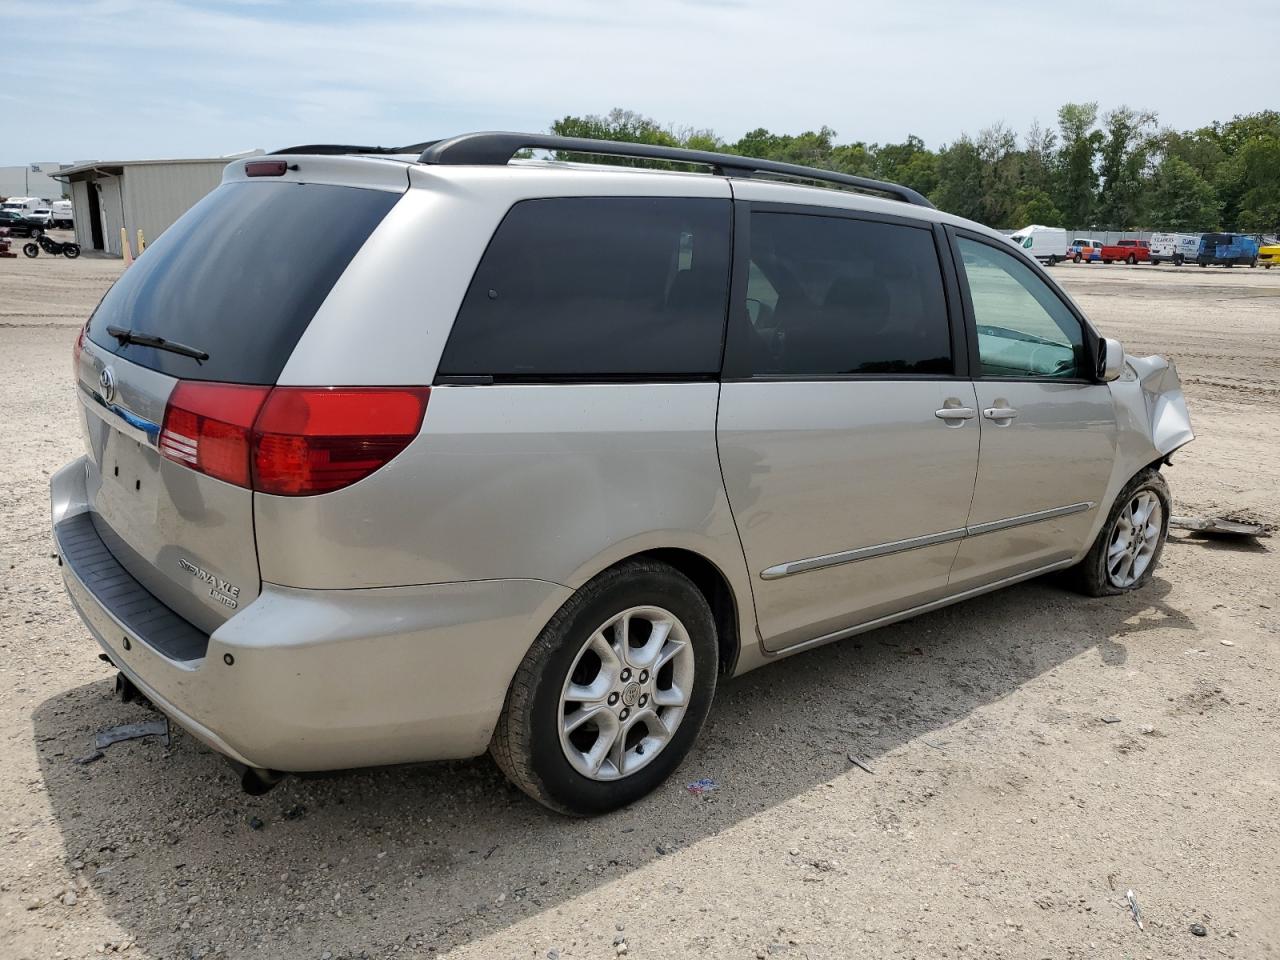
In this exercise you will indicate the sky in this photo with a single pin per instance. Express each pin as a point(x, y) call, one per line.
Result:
point(137, 79)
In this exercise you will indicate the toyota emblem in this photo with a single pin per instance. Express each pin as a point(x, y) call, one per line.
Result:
point(107, 380)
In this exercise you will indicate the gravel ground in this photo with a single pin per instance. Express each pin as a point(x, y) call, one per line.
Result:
point(1004, 816)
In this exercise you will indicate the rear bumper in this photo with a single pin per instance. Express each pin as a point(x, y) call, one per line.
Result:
point(303, 680)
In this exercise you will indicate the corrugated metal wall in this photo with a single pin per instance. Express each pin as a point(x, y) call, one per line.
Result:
point(111, 202)
point(157, 194)
point(80, 213)
point(154, 196)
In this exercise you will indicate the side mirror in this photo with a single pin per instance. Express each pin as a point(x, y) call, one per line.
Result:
point(1110, 359)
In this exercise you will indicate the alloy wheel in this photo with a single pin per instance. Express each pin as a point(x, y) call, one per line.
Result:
point(1134, 539)
point(626, 693)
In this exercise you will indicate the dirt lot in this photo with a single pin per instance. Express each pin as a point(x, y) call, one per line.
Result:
point(1004, 817)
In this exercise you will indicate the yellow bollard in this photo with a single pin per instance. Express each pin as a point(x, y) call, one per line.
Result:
point(124, 247)
point(141, 243)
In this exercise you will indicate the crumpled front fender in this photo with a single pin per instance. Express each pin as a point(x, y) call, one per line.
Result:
point(1157, 406)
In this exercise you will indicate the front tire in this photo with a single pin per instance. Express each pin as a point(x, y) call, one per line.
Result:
point(31, 249)
point(1124, 556)
point(612, 694)
point(1077, 258)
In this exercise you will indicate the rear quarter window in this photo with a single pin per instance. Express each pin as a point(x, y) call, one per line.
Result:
point(597, 287)
point(239, 276)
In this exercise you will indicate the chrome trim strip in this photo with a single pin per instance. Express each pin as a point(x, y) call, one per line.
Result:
point(127, 422)
point(978, 529)
point(914, 543)
point(916, 611)
point(861, 553)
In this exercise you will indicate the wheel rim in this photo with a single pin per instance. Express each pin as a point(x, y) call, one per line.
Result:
point(626, 693)
point(1134, 539)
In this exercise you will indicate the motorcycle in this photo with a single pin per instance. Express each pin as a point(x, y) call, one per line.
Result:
point(51, 247)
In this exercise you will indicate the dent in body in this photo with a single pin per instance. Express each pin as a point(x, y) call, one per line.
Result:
point(1151, 422)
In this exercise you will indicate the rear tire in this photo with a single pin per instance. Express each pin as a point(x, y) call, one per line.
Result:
point(1124, 556)
point(71, 250)
point(1131, 260)
point(536, 743)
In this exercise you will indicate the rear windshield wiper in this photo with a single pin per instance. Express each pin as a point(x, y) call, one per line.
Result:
point(126, 337)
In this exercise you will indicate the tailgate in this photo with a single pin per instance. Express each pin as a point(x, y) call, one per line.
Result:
point(221, 298)
point(185, 536)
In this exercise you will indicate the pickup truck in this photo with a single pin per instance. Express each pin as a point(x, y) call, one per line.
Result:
point(1130, 251)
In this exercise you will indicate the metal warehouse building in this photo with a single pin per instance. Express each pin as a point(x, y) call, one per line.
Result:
point(135, 194)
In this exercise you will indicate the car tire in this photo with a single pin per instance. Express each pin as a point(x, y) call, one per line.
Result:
point(1131, 260)
point(535, 742)
point(36, 233)
point(1107, 262)
point(1076, 259)
point(1107, 571)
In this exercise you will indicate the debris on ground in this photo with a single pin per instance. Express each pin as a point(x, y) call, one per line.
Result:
point(134, 731)
point(295, 812)
point(1134, 909)
point(703, 786)
point(1221, 526)
point(89, 757)
point(860, 764)
point(1198, 930)
point(1110, 719)
point(256, 823)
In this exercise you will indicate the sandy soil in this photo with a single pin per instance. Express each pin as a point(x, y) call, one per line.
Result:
point(1004, 817)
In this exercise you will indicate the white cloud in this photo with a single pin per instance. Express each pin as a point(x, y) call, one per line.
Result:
point(134, 78)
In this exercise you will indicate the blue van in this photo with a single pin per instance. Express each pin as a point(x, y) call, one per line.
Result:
point(1227, 249)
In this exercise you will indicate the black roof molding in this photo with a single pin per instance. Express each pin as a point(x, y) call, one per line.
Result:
point(339, 149)
point(497, 149)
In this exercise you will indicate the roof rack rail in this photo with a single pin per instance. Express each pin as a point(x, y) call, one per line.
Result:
point(338, 149)
point(497, 149)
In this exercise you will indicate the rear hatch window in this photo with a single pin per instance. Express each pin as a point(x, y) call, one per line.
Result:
point(239, 277)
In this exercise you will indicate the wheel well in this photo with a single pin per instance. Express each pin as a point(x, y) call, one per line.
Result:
point(706, 576)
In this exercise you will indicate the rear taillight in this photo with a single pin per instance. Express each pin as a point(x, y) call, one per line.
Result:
point(313, 440)
point(208, 427)
point(289, 441)
point(77, 350)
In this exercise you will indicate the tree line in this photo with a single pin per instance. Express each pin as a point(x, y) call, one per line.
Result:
point(1118, 170)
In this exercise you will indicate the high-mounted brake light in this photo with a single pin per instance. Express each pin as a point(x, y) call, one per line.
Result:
point(289, 441)
point(265, 168)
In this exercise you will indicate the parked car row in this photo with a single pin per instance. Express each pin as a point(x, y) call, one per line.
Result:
point(1049, 245)
point(57, 213)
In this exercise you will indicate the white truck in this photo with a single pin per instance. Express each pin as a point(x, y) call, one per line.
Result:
point(24, 205)
point(1175, 248)
point(1046, 244)
point(63, 216)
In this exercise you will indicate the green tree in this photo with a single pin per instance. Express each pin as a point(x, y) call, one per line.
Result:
point(1181, 199)
point(1080, 143)
point(960, 179)
point(909, 163)
point(1035, 206)
point(1125, 152)
point(1260, 186)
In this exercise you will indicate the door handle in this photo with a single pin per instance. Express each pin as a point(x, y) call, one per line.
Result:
point(955, 413)
point(999, 413)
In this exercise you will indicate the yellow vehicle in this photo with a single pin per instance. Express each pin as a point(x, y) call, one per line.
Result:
point(1267, 255)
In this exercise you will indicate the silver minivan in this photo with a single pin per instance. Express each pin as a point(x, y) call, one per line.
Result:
point(404, 455)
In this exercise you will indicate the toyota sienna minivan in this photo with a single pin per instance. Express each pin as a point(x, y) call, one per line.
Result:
point(404, 455)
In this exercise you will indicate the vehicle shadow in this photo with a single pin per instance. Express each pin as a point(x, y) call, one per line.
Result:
point(438, 855)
